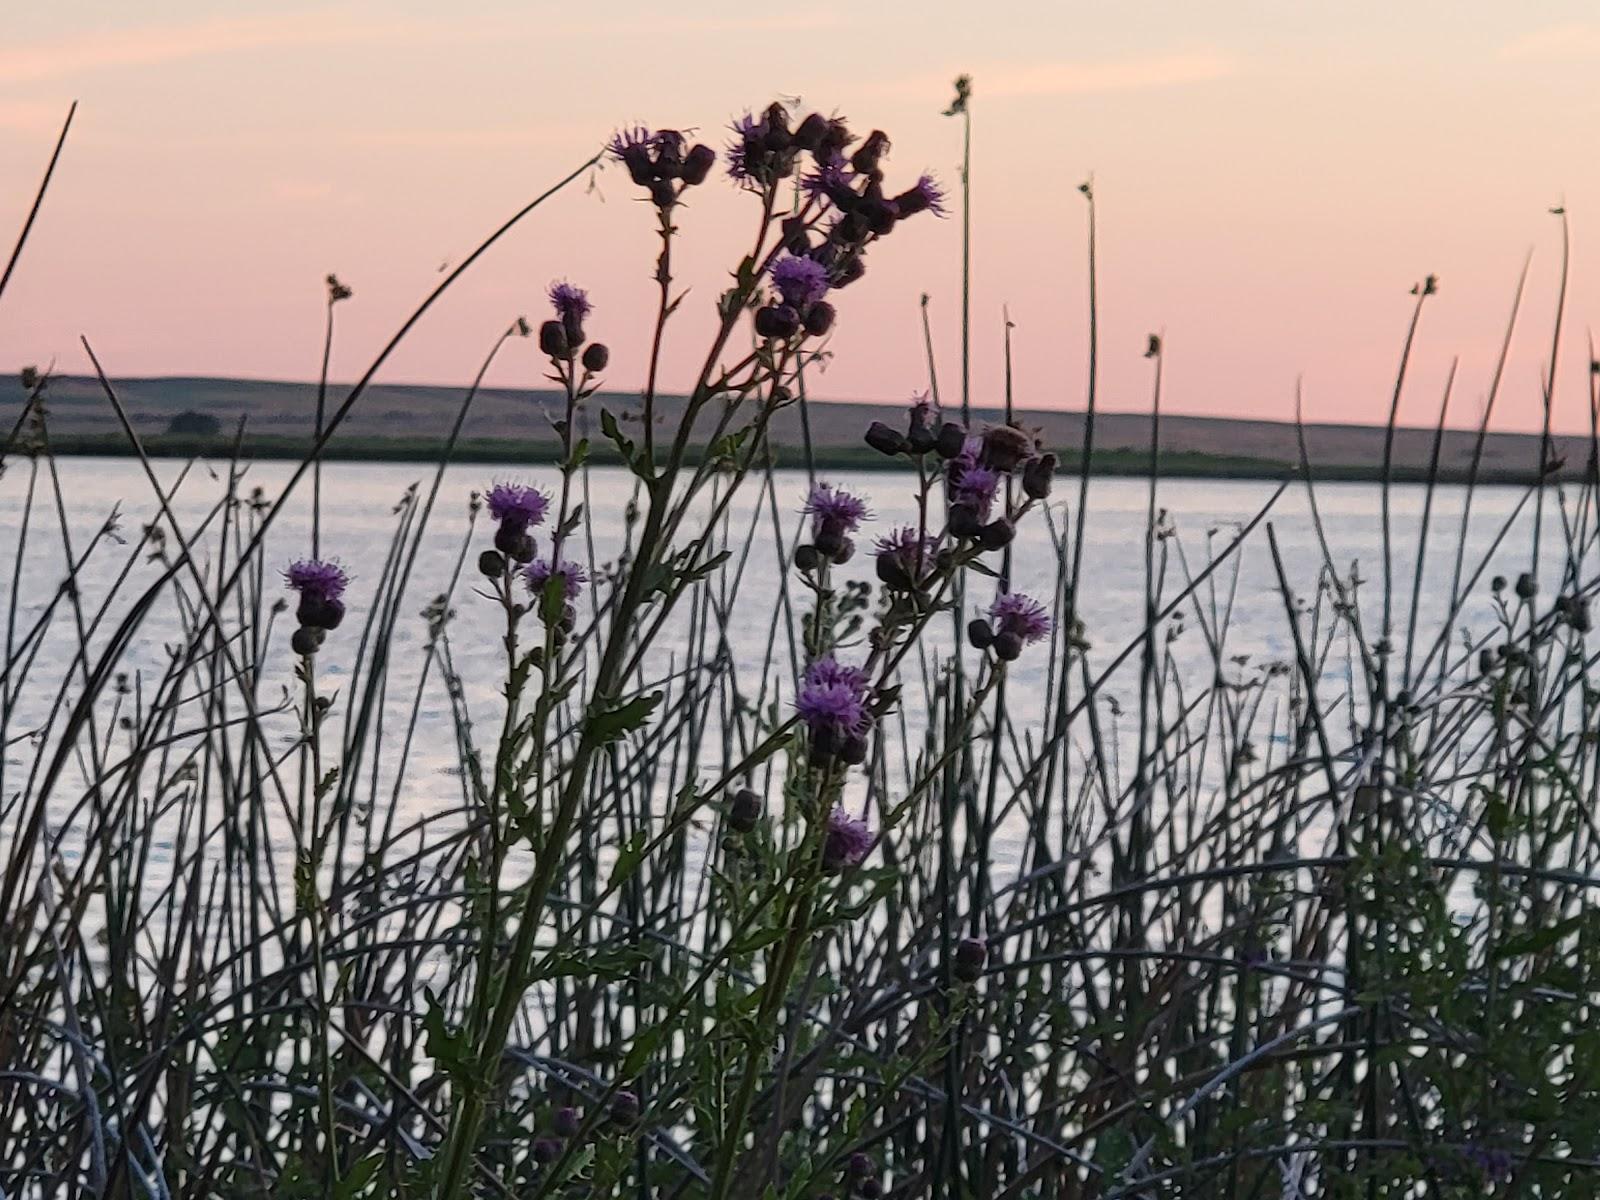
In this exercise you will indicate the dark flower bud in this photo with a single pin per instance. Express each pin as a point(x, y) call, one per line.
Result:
point(819, 318)
point(870, 152)
point(997, 534)
point(508, 539)
point(625, 1108)
point(853, 750)
point(830, 540)
point(553, 340)
point(796, 239)
point(853, 226)
point(1037, 475)
point(971, 954)
point(546, 1150)
point(964, 521)
point(331, 613)
point(744, 812)
point(869, 1189)
point(662, 193)
point(1005, 447)
point(637, 159)
point(1486, 661)
point(492, 564)
point(845, 552)
point(835, 138)
point(1497, 584)
point(521, 548)
point(850, 270)
point(807, 558)
point(596, 357)
point(810, 132)
point(879, 216)
point(859, 1166)
point(698, 164)
point(1007, 647)
point(893, 574)
point(920, 438)
point(1527, 586)
point(951, 440)
point(824, 743)
point(777, 321)
point(980, 633)
point(669, 154)
point(912, 201)
point(1578, 614)
point(885, 440)
point(566, 1121)
point(776, 117)
point(305, 641)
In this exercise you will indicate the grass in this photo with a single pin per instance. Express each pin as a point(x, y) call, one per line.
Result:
point(1319, 926)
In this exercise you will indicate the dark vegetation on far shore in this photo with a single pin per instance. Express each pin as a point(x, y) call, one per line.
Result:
point(181, 417)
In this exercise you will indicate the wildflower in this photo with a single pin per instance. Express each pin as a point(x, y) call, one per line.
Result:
point(846, 843)
point(1037, 475)
point(631, 147)
point(517, 508)
point(828, 671)
point(321, 586)
point(1005, 448)
point(835, 514)
point(971, 955)
point(869, 154)
point(658, 159)
point(566, 1122)
point(777, 321)
point(572, 306)
point(800, 281)
point(538, 573)
point(951, 440)
point(744, 811)
point(819, 318)
point(625, 1107)
point(596, 357)
point(885, 440)
point(904, 557)
point(1018, 620)
point(971, 487)
point(924, 196)
point(832, 704)
point(763, 150)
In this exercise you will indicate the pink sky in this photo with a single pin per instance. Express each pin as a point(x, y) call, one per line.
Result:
point(1272, 179)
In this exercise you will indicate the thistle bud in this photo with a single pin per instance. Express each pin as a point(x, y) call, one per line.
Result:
point(697, 165)
point(951, 439)
point(566, 1122)
point(964, 521)
point(1037, 475)
point(1527, 586)
point(553, 340)
point(491, 564)
point(1005, 447)
point(1007, 647)
point(850, 269)
point(885, 440)
point(980, 633)
point(625, 1108)
point(971, 955)
point(596, 357)
point(997, 534)
point(546, 1150)
point(853, 750)
point(744, 812)
point(305, 641)
point(830, 541)
point(819, 318)
point(662, 193)
point(1497, 584)
point(807, 558)
point(869, 154)
point(859, 1166)
point(777, 321)
point(845, 552)
point(811, 131)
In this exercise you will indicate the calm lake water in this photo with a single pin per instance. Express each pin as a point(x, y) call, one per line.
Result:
point(359, 505)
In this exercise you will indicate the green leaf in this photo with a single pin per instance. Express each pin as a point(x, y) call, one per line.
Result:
point(608, 725)
point(356, 1183)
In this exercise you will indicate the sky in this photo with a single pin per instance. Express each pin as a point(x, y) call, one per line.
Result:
point(1272, 178)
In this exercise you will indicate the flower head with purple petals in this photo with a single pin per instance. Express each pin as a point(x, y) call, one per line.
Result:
point(800, 281)
point(538, 573)
point(320, 580)
point(835, 509)
point(924, 196)
point(847, 841)
point(570, 302)
point(833, 699)
point(971, 484)
point(1021, 615)
point(828, 671)
point(906, 554)
point(517, 506)
point(636, 137)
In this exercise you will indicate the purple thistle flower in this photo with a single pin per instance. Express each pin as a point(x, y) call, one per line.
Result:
point(537, 574)
point(972, 485)
point(517, 506)
point(1021, 615)
point(831, 709)
point(924, 196)
point(829, 672)
point(829, 180)
point(847, 841)
point(834, 509)
point(747, 129)
point(905, 555)
point(800, 281)
point(321, 581)
point(624, 140)
point(570, 302)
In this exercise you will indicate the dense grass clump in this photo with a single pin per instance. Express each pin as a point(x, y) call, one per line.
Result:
point(908, 884)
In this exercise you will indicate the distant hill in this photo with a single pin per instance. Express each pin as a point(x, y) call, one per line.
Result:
point(173, 414)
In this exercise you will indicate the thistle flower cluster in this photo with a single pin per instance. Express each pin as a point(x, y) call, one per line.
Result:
point(562, 336)
point(321, 586)
point(832, 705)
point(846, 842)
point(1015, 621)
point(570, 578)
point(662, 162)
point(517, 509)
point(835, 514)
point(845, 188)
